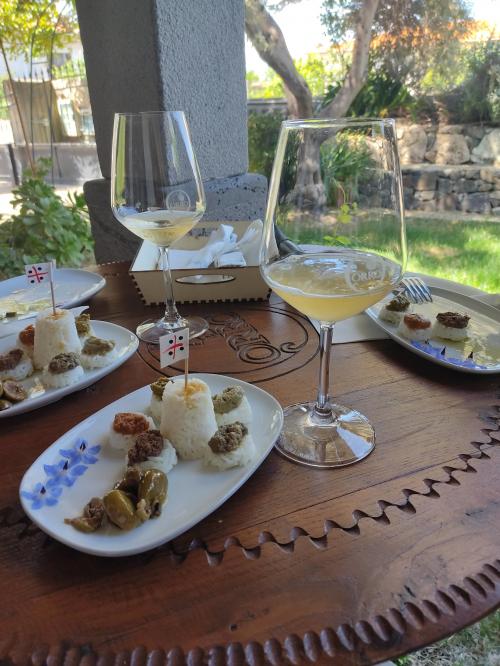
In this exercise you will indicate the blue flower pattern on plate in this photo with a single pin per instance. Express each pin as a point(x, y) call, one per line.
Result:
point(440, 352)
point(73, 463)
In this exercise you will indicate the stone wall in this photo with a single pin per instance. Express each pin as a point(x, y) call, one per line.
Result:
point(448, 144)
point(466, 188)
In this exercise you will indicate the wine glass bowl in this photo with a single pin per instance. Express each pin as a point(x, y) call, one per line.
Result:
point(336, 193)
point(157, 194)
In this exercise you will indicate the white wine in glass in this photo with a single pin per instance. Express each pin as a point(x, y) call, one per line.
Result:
point(157, 194)
point(335, 191)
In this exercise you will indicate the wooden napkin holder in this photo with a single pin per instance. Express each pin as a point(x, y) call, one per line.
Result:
point(197, 285)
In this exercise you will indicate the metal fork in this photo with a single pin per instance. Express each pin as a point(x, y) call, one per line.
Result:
point(415, 289)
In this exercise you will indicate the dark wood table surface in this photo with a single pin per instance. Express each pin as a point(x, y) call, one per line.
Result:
point(346, 566)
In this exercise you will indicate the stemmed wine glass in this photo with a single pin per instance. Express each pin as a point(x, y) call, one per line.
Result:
point(157, 193)
point(336, 189)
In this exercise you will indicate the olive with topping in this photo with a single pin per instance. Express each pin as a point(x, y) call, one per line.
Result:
point(64, 362)
point(12, 358)
point(158, 386)
point(398, 304)
point(93, 516)
point(229, 399)
point(148, 444)
point(152, 492)
point(14, 391)
point(228, 437)
point(82, 322)
point(130, 482)
point(97, 346)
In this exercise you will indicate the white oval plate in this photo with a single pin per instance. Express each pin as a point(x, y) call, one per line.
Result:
point(483, 343)
point(38, 396)
point(72, 286)
point(49, 493)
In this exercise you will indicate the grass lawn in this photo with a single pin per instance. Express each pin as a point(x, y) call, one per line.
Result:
point(463, 251)
point(478, 645)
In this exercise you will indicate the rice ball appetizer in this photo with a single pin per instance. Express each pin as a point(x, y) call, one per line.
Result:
point(15, 364)
point(232, 405)
point(231, 446)
point(126, 427)
point(188, 418)
point(394, 310)
point(151, 451)
point(26, 340)
point(415, 327)
point(157, 388)
point(83, 326)
point(54, 334)
point(97, 352)
point(451, 326)
point(63, 370)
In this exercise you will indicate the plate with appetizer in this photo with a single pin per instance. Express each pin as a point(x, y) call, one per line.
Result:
point(152, 464)
point(455, 330)
point(72, 286)
point(58, 354)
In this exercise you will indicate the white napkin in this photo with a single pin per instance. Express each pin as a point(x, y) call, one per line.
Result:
point(9, 327)
point(221, 241)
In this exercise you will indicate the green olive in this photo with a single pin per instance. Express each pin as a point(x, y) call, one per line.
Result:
point(82, 524)
point(121, 510)
point(129, 483)
point(153, 490)
point(14, 391)
point(5, 404)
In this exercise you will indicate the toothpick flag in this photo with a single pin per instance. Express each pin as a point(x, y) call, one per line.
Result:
point(42, 272)
point(37, 273)
point(174, 347)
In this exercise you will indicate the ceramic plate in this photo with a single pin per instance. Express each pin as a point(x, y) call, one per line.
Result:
point(478, 354)
point(38, 396)
point(72, 287)
point(79, 466)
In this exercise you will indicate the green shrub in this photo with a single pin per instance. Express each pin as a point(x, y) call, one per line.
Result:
point(263, 132)
point(380, 97)
point(44, 227)
point(343, 165)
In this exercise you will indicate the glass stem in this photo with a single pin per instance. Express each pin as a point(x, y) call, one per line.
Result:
point(323, 408)
point(171, 314)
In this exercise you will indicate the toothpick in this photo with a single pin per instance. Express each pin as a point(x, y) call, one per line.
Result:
point(186, 365)
point(51, 278)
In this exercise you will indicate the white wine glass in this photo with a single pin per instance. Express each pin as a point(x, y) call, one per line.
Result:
point(336, 197)
point(157, 194)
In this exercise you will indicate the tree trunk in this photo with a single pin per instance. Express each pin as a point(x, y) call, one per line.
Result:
point(268, 40)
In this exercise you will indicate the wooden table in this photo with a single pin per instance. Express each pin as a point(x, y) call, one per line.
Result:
point(346, 566)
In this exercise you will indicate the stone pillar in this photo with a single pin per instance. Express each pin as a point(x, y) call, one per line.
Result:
point(147, 55)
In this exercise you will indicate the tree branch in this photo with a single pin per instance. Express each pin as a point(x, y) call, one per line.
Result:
point(356, 75)
point(268, 41)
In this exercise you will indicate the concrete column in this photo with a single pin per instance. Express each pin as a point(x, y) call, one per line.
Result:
point(147, 55)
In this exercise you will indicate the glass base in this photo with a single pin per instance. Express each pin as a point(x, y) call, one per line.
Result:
point(152, 330)
point(333, 440)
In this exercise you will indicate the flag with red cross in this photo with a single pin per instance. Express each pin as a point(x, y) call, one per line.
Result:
point(174, 347)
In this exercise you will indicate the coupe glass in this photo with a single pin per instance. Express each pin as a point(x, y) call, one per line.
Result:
point(157, 194)
point(336, 190)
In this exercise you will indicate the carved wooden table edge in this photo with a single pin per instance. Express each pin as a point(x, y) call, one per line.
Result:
point(362, 642)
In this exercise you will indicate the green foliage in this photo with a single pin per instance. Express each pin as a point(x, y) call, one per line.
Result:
point(408, 36)
point(477, 99)
point(381, 97)
point(263, 132)
point(21, 20)
point(44, 227)
point(343, 165)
